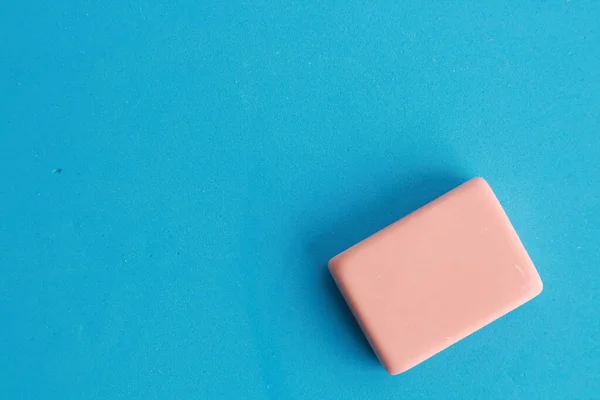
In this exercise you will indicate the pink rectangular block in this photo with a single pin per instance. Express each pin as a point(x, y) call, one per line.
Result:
point(436, 276)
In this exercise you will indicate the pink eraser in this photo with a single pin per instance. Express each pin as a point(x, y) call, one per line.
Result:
point(436, 276)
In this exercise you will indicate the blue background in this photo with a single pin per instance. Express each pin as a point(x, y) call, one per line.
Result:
point(215, 156)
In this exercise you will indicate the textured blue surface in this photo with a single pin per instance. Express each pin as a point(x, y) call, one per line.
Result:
point(215, 156)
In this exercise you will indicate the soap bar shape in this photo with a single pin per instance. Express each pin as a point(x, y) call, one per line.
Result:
point(436, 276)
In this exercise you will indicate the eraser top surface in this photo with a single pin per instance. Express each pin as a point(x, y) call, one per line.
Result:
point(436, 276)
